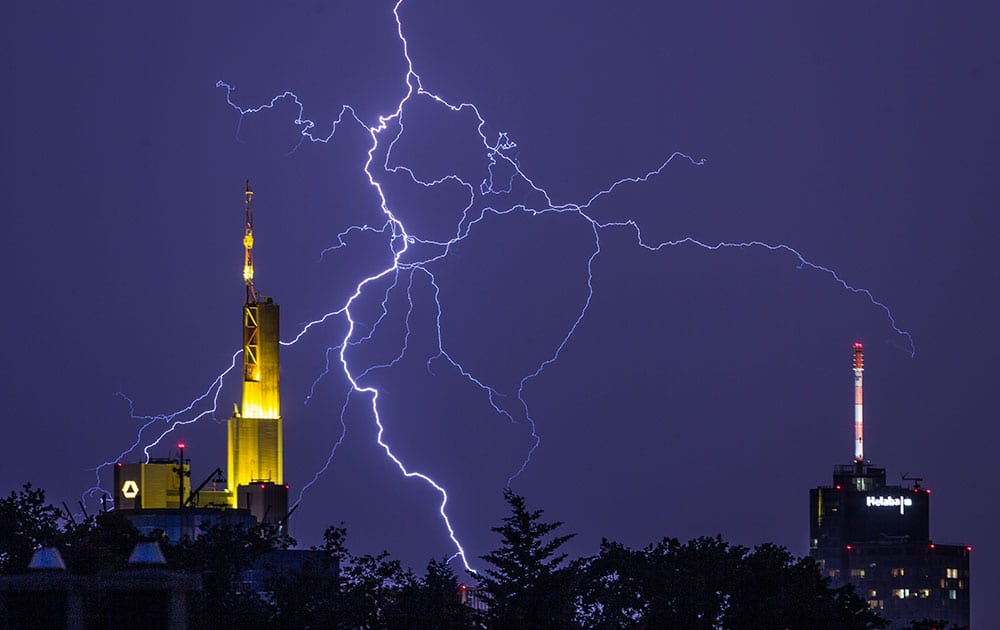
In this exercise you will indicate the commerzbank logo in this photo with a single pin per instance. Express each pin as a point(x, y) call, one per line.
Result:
point(901, 502)
point(130, 489)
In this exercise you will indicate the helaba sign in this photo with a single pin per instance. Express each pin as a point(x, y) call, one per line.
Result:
point(901, 502)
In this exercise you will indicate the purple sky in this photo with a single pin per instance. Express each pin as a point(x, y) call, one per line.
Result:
point(704, 391)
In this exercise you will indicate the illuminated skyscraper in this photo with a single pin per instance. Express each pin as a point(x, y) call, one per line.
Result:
point(876, 536)
point(157, 494)
point(256, 463)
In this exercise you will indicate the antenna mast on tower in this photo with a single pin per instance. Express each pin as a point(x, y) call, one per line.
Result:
point(859, 423)
point(248, 248)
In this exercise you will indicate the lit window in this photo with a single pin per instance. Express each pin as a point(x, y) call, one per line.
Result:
point(952, 594)
point(876, 603)
point(902, 593)
point(857, 573)
point(924, 593)
point(951, 574)
point(899, 572)
point(961, 584)
point(873, 593)
point(942, 583)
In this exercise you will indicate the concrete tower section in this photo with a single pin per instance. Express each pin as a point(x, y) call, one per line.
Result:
point(256, 460)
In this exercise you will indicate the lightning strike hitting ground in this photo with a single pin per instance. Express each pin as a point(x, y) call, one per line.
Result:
point(406, 265)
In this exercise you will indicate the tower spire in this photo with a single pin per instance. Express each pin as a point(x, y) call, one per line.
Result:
point(248, 248)
point(859, 424)
point(256, 459)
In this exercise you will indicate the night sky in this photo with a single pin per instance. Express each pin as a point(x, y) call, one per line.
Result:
point(703, 392)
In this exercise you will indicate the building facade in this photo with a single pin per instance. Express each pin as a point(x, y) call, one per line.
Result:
point(874, 535)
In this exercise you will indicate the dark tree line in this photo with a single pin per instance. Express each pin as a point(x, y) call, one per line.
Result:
point(527, 582)
point(704, 583)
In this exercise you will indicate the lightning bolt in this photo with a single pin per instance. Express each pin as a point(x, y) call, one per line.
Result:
point(413, 254)
point(172, 420)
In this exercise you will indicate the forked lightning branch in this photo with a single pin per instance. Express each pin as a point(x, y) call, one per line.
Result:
point(261, 423)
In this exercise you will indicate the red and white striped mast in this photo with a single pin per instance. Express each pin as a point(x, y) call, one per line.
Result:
point(859, 423)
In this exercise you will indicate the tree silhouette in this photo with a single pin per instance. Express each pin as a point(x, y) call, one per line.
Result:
point(26, 523)
point(433, 601)
point(707, 584)
point(704, 583)
point(527, 586)
point(776, 589)
point(222, 554)
point(98, 543)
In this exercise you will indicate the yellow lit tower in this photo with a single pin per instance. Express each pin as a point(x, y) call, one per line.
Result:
point(256, 466)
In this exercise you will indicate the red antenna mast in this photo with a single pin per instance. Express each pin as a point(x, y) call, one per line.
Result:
point(248, 248)
point(859, 423)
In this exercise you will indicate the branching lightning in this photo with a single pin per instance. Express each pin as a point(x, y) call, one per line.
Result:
point(406, 266)
point(187, 415)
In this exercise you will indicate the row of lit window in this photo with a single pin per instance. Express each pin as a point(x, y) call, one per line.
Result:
point(903, 593)
point(916, 593)
point(859, 552)
point(923, 593)
point(949, 573)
